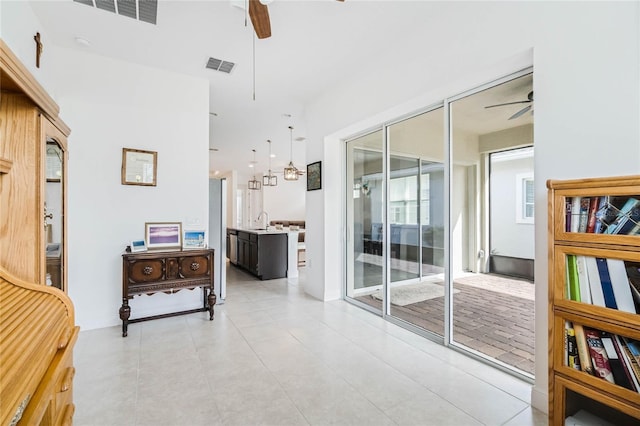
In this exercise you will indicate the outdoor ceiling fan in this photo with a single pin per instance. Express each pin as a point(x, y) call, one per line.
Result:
point(527, 108)
point(259, 14)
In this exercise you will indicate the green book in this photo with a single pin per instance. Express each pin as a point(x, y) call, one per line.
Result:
point(574, 282)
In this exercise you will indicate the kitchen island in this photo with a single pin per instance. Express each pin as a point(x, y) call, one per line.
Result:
point(263, 253)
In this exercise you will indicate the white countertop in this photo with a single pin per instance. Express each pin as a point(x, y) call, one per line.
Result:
point(272, 230)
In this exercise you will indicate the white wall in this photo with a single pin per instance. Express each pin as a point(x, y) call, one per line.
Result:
point(18, 25)
point(110, 105)
point(509, 237)
point(287, 200)
point(586, 59)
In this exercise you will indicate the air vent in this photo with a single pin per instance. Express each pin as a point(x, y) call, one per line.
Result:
point(142, 10)
point(220, 65)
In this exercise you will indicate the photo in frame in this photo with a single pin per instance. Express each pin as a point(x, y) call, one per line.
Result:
point(139, 167)
point(161, 235)
point(138, 246)
point(314, 176)
point(194, 239)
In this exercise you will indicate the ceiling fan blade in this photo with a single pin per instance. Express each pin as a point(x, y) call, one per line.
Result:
point(509, 103)
point(519, 113)
point(260, 19)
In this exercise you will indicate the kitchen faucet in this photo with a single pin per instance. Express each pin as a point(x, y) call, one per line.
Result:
point(266, 215)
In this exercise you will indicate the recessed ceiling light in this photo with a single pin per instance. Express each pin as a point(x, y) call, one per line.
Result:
point(83, 41)
point(272, 156)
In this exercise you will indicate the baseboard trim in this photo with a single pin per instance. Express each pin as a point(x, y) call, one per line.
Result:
point(540, 400)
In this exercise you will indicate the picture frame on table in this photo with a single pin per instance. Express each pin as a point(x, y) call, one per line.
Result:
point(194, 238)
point(163, 235)
point(138, 246)
point(314, 176)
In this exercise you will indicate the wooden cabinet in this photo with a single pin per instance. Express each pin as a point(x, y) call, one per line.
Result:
point(167, 271)
point(29, 128)
point(37, 323)
point(574, 301)
point(262, 254)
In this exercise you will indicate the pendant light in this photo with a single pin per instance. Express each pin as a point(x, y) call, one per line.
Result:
point(269, 179)
point(253, 183)
point(291, 172)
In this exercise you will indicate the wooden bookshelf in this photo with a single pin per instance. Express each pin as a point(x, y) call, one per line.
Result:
point(570, 389)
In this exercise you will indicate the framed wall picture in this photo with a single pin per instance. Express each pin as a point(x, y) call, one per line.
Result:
point(161, 235)
point(139, 167)
point(194, 239)
point(314, 176)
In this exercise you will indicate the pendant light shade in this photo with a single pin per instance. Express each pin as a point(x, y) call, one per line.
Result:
point(291, 172)
point(253, 184)
point(269, 179)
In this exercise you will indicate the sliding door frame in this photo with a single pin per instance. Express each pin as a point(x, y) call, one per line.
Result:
point(447, 338)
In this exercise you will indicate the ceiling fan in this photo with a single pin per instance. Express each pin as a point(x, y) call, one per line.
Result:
point(529, 101)
point(259, 14)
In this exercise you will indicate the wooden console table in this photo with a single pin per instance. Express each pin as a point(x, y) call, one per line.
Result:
point(167, 271)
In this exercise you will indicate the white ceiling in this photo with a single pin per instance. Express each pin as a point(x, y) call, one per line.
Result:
point(315, 45)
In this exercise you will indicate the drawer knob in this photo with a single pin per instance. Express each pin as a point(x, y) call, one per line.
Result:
point(195, 266)
point(147, 270)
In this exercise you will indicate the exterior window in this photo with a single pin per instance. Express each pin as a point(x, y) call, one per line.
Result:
point(525, 197)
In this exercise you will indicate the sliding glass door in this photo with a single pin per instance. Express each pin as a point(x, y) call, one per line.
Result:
point(439, 217)
point(365, 197)
point(416, 221)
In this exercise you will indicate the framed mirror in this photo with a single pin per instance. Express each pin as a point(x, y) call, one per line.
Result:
point(139, 167)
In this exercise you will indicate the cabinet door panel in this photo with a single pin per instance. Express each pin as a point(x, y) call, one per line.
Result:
point(146, 270)
point(194, 266)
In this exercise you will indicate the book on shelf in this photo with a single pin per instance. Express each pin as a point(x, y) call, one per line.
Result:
point(573, 279)
point(595, 287)
point(630, 360)
point(573, 359)
point(584, 214)
point(603, 202)
point(583, 349)
point(610, 283)
point(633, 272)
point(620, 371)
point(630, 211)
point(620, 285)
point(599, 357)
point(575, 214)
point(583, 279)
point(567, 214)
point(634, 348)
point(605, 282)
point(591, 215)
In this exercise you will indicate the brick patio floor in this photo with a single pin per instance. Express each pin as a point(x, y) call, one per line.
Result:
point(491, 314)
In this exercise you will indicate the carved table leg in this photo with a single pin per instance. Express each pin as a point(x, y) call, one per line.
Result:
point(212, 301)
point(125, 312)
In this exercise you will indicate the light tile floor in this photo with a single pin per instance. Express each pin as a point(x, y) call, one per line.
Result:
point(276, 356)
